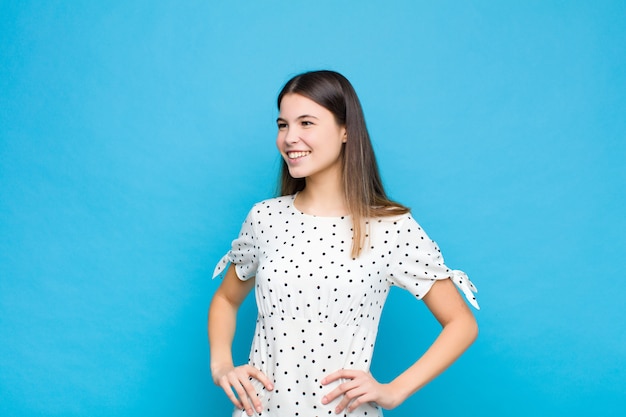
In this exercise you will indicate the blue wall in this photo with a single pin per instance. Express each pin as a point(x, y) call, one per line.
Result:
point(135, 135)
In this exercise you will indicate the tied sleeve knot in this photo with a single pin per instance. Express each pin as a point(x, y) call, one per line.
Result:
point(466, 286)
point(221, 265)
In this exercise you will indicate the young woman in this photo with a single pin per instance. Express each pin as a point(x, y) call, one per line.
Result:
point(321, 259)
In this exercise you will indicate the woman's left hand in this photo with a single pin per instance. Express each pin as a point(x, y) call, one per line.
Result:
point(360, 388)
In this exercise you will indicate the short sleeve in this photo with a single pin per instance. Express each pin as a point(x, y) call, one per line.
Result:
point(243, 253)
point(416, 263)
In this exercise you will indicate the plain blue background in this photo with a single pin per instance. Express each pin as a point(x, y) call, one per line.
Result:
point(135, 135)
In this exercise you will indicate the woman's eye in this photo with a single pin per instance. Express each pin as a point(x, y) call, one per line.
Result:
point(282, 126)
point(306, 123)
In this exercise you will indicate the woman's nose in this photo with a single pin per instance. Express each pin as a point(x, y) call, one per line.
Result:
point(292, 136)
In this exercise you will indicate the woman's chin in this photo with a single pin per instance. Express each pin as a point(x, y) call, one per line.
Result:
point(296, 173)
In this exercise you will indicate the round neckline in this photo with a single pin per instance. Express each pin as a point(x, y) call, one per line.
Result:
point(302, 213)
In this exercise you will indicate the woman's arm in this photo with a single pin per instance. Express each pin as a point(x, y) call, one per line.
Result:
point(459, 330)
point(222, 324)
point(458, 333)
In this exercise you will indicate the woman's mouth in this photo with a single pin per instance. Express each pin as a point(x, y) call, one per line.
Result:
point(297, 154)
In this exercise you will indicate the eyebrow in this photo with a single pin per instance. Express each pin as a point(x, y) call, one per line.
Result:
point(304, 116)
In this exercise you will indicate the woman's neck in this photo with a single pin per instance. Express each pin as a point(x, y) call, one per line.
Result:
point(322, 198)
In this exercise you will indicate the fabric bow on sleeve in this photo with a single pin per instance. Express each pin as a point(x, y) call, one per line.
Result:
point(221, 265)
point(466, 286)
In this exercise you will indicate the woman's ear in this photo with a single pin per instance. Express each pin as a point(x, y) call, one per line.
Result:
point(345, 136)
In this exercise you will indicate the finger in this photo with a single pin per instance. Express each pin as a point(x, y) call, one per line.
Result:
point(259, 375)
point(361, 397)
point(252, 394)
point(349, 397)
point(229, 393)
point(331, 377)
point(342, 404)
point(341, 389)
point(238, 386)
point(342, 373)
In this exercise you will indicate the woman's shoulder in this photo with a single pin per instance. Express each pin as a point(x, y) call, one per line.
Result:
point(274, 205)
point(396, 221)
point(391, 214)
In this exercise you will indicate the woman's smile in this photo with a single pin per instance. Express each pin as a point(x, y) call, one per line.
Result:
point(295, 155)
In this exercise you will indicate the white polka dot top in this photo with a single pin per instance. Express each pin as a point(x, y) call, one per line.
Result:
point(318, 308)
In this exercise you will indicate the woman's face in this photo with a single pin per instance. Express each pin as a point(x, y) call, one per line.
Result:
point(309, 138)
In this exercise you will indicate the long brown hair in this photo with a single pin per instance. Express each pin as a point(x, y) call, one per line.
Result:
point(363, 189)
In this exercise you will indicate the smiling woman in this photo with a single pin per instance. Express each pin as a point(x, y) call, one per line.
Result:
point(135, 136)
point(321, 259)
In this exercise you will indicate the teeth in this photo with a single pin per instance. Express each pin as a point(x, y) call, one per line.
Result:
point(295, 155)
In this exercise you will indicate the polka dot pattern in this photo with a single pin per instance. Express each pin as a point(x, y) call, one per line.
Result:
point(319, 308)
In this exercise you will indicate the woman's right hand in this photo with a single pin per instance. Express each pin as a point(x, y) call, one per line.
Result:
point(238, 380)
